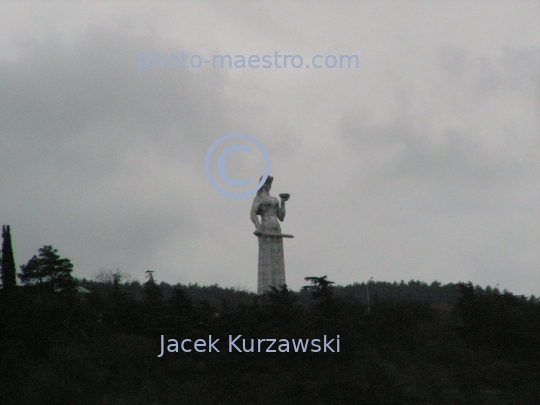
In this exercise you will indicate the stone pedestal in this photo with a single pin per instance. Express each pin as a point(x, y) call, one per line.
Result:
point(271, 261)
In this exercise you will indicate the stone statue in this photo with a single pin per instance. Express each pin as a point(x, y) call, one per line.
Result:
point(268, 231)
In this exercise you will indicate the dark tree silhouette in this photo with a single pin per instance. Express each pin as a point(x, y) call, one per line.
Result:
point(8, 262)
point(48, 272)
point(152, 292)
point(320, 288)
point(281, 299)
point(152, 305)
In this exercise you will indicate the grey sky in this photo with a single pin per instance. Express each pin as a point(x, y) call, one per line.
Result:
point(423, 163)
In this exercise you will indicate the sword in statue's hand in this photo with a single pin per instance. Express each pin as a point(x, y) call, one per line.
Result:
point(272, 235)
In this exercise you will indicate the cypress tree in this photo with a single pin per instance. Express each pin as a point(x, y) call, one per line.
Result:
point(8, 262)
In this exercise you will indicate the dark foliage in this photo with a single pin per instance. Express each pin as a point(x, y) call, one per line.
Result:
point(48, 273)
point(421, 344)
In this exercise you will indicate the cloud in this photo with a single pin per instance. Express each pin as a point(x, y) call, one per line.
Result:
point(98, 158)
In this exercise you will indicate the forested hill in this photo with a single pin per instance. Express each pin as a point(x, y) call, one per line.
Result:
point(103, 342)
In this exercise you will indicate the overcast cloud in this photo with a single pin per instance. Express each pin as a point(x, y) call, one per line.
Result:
point(423, 163)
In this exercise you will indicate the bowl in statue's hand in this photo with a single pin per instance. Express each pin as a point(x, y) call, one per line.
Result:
point(284, 196)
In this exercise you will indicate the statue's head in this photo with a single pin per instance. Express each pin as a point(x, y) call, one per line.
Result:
point(267, 184)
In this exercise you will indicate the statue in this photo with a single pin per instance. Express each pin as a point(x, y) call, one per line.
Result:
point(271, 261)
